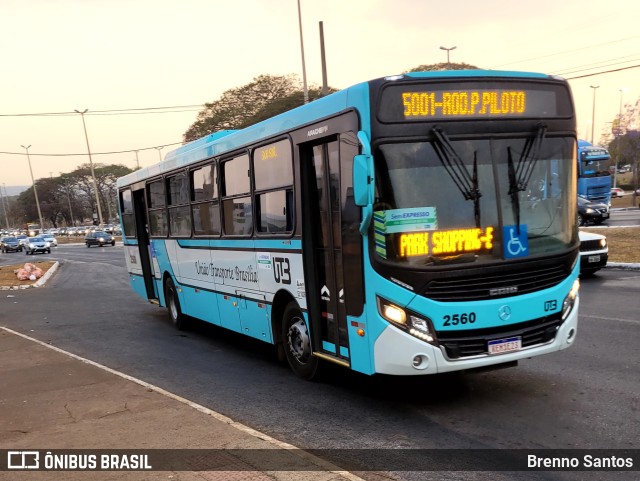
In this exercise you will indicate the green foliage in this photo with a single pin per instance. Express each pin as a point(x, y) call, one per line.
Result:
point(264, 97)
point(434, 67)
point(76, 188)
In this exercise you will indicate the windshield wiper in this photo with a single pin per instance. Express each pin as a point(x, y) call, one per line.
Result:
point(520, 175)
point(466, 183)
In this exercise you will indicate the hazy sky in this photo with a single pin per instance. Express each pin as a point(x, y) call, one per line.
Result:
point(63, 55)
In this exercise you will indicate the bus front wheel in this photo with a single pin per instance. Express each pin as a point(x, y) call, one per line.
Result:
point(297, 343)
point(173, 305)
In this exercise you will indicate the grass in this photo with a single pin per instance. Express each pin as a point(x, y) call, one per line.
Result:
point(624, 243)
point(624, 201)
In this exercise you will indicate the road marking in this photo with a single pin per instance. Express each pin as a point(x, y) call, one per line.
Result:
point(630, 321)
point(205, 410)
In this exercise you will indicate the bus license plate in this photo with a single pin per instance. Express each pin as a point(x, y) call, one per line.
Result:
point(500, 346)
point(594, 258)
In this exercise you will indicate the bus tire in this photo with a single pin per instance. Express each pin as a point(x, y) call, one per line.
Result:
point(173, 305)
point(296, 340)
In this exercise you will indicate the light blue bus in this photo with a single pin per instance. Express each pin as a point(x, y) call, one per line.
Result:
point(415, 224)
point(594, 176)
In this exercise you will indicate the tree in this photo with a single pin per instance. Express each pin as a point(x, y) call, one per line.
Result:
point(264, 97)
point(435, 67)
point(623, 142)
point(72, 192)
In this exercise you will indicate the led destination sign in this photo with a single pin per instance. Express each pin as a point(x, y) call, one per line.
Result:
point(412, 102)
point(446, 242)
point(472, 103)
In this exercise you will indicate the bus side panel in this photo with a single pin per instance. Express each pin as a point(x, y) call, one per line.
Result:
point(162, 264)
point(360, 345)
point(201, 304)
point(254, 317)
point(136, 282)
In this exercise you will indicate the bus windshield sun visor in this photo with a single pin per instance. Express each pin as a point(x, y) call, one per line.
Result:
point(520, 175)
point(455, 167)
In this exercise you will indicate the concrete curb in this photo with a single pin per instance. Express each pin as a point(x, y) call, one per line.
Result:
point(39, 283)
point(623, 265)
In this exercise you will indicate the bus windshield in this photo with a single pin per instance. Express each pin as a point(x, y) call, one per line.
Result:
point(594, 162)
point(474, 200)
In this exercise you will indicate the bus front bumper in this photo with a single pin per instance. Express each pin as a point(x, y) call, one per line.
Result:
point(399, 353)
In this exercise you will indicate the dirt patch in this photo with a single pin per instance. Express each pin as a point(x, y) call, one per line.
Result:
point(8, 277)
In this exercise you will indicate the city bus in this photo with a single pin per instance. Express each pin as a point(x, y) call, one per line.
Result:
point(417, 224)
point(594, 176)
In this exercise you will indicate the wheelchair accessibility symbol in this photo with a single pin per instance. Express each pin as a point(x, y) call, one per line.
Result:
point(516, 244)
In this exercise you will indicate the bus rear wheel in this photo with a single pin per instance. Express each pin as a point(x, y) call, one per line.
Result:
point(297, 343)
point(173, 305)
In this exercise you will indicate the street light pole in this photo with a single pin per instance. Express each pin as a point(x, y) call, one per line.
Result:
point(448, 50)
point(35, 191)
point(93, 174)
point(593, 111)
point(4, 208)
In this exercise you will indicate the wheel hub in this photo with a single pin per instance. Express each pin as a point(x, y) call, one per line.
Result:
point(298, 341)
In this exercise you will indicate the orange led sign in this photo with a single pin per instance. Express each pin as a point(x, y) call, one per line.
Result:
point(464, 103)
point(448, 242)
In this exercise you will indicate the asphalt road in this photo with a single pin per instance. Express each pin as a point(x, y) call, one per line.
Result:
point(585, 397)
point(625, 217)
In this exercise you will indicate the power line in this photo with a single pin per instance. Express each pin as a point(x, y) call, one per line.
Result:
point(598, 73)
point(112, 111)
point(146, 113)
point(602, 64)
point(568, 51)
point(95, 153)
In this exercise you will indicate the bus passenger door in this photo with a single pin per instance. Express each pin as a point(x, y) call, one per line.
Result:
point(144, 244)
point(323, 250)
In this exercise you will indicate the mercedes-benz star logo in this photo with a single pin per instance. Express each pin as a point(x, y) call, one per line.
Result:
point(504, 312)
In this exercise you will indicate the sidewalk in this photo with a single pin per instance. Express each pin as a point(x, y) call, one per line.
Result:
point(52, 400)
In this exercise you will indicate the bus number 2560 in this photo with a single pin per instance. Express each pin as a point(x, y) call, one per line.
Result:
point(456, 319)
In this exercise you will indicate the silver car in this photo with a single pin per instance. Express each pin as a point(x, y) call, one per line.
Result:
point(37, 244)
point(50, 239)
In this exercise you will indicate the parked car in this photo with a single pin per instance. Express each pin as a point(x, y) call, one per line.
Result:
point(37, 244)
point(594, 252)
point(10, 244)
point(591, 212)
point(99, 238)
point(617, 192)
point(50, 239)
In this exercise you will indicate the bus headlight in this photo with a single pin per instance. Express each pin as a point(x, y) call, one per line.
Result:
point(417, 326)
point(391, 312)
point(570, 300)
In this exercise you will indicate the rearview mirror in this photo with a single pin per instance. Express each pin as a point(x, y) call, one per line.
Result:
point(361, 179)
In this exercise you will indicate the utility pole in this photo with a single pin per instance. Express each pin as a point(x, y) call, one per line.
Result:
point(323, 59)
point(593, 111)
point(4, 208)
point(93, 174)
point(35, 191)
point(304, 68)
